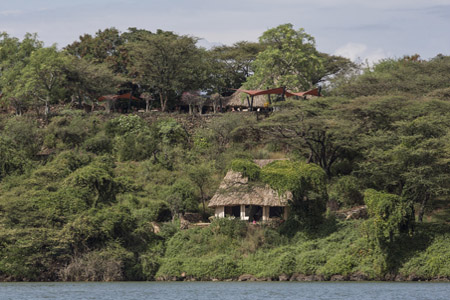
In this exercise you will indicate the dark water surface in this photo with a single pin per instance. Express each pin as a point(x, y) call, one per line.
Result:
point(226, 290)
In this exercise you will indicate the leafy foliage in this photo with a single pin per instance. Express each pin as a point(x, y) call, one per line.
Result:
point(248, 168)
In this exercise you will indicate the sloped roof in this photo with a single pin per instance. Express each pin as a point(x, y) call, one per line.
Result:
point(235, 190)
point(260, 97)
point(236, 100)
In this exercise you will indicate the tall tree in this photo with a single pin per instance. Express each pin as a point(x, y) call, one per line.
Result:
point(168, 64)
point(290, 59)
point(232, 64)
point(43, 77)
point(14, 57)
point(87, 81)
point(314, 130)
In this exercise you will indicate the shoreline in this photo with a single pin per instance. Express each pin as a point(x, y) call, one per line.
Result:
point(356, 277)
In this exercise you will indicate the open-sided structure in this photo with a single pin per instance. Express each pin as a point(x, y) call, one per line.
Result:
point(237, 198)
point(262, 98)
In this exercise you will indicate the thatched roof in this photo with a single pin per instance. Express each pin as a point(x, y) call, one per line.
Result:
point(236, 100)
point(235, 190)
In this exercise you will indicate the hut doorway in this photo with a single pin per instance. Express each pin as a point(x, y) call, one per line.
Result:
point(254, 212)
point(233, 211)
point(276, 212)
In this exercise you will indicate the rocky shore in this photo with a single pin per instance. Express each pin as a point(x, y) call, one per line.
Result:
point(358, 276)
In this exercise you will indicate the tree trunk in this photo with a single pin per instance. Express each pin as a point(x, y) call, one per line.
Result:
point(203, 202)
point(422, 207)
point(161, 100)
point(47, 108)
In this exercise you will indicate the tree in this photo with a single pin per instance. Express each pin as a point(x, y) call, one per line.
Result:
point(290, 59)
point(167, 63)
point(43, 77)
point(87, 81)
point(391, 216)
point(410, 161)
point(315, 130)
point(147, 97)
point(333, 66)
point(14, 56)
point(103, 47)
point(96, 182)
point(216, 100)
point(192, 99)
point(200, 175)
point(306, 182)
point(181, 197)
point(12, 160)
point(231, 65)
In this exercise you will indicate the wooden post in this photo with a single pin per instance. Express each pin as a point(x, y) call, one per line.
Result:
point(243, 212)
point(285, 212)
point(265, 216)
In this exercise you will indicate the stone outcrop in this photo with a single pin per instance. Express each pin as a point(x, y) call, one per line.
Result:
point(357, 212)
point(247, 277)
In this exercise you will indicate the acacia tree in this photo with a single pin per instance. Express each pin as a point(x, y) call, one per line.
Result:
point(200, 175)
point(14, 57)
point(87, 81)
point(231, 65)
point(411, 160)
point(314, 130)
point(43, 77)
point(290, 59)
point(167, 63)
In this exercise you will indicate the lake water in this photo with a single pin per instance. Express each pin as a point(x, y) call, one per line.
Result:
point(226, 290)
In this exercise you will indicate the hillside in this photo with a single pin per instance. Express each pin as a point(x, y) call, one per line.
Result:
point(99, 196)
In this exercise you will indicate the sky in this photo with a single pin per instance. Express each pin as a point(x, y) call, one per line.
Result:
point(362, 30)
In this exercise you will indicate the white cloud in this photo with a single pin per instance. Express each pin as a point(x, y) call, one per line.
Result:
point(360, 53)
point(7, 13)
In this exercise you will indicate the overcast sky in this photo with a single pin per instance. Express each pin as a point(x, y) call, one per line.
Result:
point(365, 29)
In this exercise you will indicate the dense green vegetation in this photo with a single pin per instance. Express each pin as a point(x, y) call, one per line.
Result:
point(100, 196)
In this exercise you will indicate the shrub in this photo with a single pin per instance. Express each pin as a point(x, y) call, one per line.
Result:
point(346, 190)
point(247, 167)
point(306, 182)
point(233, 228)
point(99, 144)
point(108, 264)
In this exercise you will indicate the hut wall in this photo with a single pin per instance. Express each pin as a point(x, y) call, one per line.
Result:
point(220, 212)
point(243, 216)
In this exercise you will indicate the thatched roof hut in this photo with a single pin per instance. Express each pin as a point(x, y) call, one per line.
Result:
point(236, 197)
point(234, 190)
point(238, 101)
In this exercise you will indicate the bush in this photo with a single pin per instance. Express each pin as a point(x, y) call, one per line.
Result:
point(346, 190)
point(306, 182)
point(247, 168)
point(108, 264)
point(12, 160)
point(158, 211)
point(99, 144)
point(433, 262)
point(233, 228)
